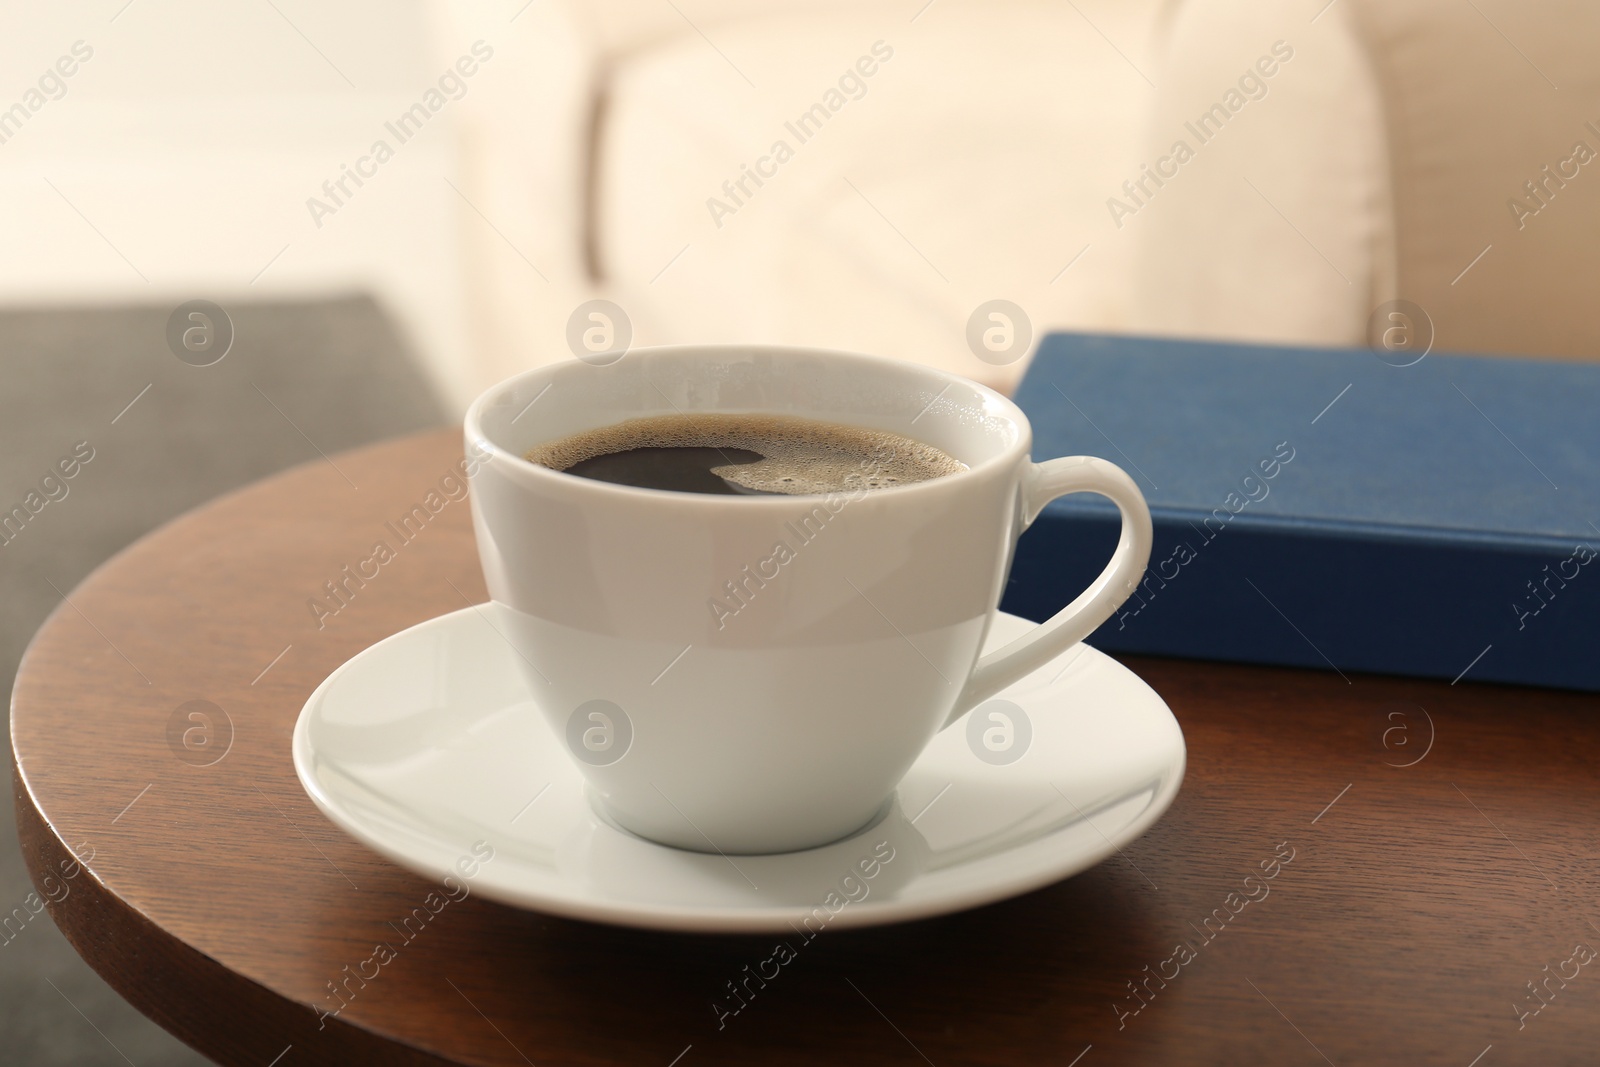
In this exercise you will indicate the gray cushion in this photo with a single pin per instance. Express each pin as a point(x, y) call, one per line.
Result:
point(340, 375)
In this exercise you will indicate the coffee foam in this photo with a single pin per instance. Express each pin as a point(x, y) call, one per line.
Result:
point(801, 455)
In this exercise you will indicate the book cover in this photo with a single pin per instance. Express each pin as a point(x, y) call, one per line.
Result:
point(1332, 508)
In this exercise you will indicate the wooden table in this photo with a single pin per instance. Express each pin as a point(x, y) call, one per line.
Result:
point(1420, 902)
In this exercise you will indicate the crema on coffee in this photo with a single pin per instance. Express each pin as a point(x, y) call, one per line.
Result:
point(748, 454)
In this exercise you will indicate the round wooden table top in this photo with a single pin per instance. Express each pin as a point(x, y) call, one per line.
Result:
point(1437, 906)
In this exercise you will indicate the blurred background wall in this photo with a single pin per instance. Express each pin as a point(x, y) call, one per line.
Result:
point(178, 160)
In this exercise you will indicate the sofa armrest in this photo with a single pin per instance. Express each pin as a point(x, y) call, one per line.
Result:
point(1261, 210)
point(526, 125)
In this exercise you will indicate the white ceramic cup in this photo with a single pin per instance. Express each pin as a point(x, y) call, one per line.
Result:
point(748, 674)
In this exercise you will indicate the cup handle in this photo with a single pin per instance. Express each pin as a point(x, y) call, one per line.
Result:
point(1042, 484)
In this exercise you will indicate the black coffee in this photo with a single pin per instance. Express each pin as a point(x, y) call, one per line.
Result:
point(745, 454)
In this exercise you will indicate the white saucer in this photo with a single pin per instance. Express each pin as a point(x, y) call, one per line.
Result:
point(426, 743)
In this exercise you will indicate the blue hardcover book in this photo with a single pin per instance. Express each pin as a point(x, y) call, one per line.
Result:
point(1326, 508)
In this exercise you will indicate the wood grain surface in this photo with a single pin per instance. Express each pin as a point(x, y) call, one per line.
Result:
point(1422, 906)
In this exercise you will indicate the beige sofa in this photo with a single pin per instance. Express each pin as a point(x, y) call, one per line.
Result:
point(959, 152)
point(1401, 153)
